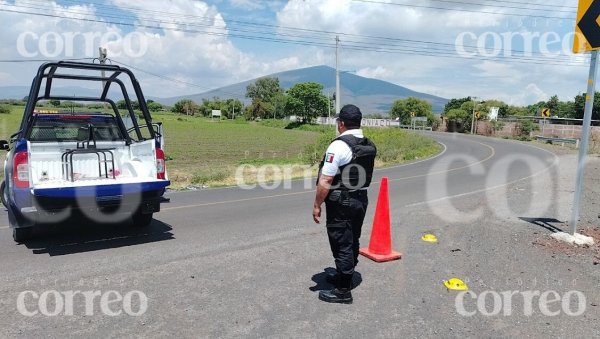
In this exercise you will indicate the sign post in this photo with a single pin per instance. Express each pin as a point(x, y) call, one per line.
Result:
point(545, 114)
point(583, 145)
point(587, 38)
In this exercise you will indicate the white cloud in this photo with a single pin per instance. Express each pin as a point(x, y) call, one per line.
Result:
point(531, 94)
point(378, 72)
point(248, 4)
point(204, 49)
point(496, 71)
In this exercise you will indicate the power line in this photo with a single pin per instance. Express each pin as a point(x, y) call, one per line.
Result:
point(41, 60)
point(317, 42)
point(164, 77)
point(466, 10)
point(356, 46)
point(526, 3)
point(554, 9)
point(359, 46)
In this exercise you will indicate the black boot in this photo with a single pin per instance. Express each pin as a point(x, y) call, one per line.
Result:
point(337, 295)
point(334, 279)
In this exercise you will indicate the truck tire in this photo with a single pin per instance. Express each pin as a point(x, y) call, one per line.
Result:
point(22, 234)
point(3, 194)
point(141, 220)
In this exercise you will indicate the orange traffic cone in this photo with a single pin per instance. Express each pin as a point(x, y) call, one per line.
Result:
point(380, 246)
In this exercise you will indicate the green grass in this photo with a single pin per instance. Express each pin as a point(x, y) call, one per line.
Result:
point(9, 124)
point(205, 151)
point(202, 151)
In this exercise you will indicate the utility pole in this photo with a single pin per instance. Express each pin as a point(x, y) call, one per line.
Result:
point(102, 59)
point(233, 114)
point(328, 105)
point(473, 116)
point(337, 75)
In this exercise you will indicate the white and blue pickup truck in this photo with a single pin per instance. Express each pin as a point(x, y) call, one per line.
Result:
point(94, 165)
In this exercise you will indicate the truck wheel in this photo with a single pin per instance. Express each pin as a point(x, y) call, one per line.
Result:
point(3, 194)
point(22, 234)
point(141, 220)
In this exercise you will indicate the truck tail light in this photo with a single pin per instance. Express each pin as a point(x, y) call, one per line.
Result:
point(21, 170)
point(160, 164)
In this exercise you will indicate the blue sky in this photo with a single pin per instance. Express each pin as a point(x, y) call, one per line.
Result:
point(441, 47)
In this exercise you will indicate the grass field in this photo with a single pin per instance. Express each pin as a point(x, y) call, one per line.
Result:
point(203, 152)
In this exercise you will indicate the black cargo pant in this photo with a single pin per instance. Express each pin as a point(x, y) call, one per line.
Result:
point(345, 216)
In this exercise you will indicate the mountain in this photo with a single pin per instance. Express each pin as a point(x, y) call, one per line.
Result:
point(371, 95)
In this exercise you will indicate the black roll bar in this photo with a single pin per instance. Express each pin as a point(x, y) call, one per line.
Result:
point(48, 71)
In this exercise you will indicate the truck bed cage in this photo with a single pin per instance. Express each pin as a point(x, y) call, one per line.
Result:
point(64, 70)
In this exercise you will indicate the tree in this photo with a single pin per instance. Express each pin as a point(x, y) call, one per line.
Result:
point(566, 109)
point(293, 106)
point(306, 101)
point(485, 107)
point(278, 101)
point(207, 106)
point(455, 104)
point(405, 108)
point(154, 106)
point(526, 127)
point(533, 110)
point(121, 104)
point(55, 103)
point(462, 118)
point(232, 108)
point(258, 109)
point(553, 104)
point(459, 115)
point(185, 106)
point(516, 111)
point(579, 106)
point(264, 89)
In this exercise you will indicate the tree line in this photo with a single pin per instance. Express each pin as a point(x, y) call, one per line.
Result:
point(268, 100)
point(460, 110)
point(307, 102)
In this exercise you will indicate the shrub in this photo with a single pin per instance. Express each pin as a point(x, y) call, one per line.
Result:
point(527, 126)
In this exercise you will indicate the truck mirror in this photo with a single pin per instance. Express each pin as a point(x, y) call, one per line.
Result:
point(4, 145)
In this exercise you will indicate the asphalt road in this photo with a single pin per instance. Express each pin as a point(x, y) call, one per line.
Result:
point(248, 263)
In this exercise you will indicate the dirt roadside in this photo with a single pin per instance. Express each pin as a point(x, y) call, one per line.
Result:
point(589, 218)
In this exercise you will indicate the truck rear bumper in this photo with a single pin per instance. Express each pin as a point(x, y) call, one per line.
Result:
point(107, 203)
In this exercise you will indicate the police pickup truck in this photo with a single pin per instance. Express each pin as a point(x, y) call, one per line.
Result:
point(105, 166)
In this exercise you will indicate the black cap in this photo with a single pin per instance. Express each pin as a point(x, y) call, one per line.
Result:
point(350, 115)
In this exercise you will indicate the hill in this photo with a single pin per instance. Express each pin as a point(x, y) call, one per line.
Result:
point(371, 95)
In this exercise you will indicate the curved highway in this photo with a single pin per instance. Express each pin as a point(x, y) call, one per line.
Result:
point(232, 262)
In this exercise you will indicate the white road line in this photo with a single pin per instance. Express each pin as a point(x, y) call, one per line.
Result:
point(299, 179)
point(492, 153)
point(433, 201)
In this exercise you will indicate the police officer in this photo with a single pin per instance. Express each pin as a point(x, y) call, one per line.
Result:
point(344, 175)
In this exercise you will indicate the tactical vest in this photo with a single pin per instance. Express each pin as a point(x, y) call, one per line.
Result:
point(350, 176)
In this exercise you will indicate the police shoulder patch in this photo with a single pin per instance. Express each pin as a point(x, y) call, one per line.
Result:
point(329, 157)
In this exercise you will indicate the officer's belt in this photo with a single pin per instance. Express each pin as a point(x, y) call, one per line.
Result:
point(357, 192)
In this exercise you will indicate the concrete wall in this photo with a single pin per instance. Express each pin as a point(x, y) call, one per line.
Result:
point(511, 129)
